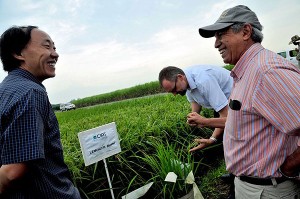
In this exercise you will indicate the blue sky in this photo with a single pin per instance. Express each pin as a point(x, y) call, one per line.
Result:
point(106, 45)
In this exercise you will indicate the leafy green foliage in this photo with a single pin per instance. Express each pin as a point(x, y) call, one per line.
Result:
point(154, 138)
point(170, 158)
point(211, 186)
point(55, 107)
point(118, 95)
point(229, 67)
point(148, 127)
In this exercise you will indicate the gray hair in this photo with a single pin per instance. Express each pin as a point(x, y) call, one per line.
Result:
point(256, 35)
point(169, 73)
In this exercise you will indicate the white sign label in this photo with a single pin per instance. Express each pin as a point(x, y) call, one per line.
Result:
point(99, 143)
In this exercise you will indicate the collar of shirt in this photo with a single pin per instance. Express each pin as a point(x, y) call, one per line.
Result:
point(27, 75)
point(241, 66)
point(190, 81)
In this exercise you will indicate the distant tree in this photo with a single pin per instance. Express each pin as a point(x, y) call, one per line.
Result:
point(55, 107)
point(229, 67)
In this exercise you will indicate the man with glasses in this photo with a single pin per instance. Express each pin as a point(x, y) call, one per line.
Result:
point(261, 137)
point(205, 86)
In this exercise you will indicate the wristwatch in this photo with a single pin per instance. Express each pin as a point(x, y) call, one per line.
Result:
point(289, 177)
point(214, 139)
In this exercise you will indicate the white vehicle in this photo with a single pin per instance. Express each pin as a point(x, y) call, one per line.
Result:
point(67, 106)
point(290, 55)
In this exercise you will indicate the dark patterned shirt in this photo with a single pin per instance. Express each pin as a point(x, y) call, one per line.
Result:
point(29, 134)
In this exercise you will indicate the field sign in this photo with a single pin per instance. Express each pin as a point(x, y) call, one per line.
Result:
point(99, 143)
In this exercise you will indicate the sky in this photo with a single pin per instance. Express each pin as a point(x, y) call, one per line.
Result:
point(107, 45)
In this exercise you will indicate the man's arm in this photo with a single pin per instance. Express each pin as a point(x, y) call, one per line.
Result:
point(291, 166)
point(217, 134)
point(10, 173)
point(195, 107)
point(194, 119)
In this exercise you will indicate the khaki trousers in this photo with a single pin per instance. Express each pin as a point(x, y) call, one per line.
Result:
point(284, 190)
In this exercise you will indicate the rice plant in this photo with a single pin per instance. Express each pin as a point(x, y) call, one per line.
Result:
point(169, 158)
point(154, 139)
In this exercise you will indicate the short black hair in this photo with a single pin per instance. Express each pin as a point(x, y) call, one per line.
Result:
point(12, 42)
point(169, 73)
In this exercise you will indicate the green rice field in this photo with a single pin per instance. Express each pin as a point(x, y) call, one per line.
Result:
point(154, 139)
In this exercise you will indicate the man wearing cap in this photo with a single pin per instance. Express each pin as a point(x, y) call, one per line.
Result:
point(262, 131)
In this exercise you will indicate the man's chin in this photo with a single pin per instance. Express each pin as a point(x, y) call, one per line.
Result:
point(51, 75)
point(47, 77)
point(182, 93)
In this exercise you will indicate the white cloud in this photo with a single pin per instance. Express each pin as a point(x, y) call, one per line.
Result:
point(73, 6)
point(105, 46)
point(124, 65)
point(29, 5)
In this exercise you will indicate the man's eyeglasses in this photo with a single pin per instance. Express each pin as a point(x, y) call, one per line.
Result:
point(174, 90)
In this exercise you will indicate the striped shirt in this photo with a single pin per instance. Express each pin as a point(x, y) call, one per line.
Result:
point(263, 122)
point(29, 134)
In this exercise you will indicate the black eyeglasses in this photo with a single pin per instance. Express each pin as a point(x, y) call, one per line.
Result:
point(174, 90)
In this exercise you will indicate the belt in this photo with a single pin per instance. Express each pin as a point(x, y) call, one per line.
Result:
point(261, 181)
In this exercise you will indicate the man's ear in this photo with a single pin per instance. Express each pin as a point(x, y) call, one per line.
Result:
point(180, 76)
point(19, 57)
point(247, 31)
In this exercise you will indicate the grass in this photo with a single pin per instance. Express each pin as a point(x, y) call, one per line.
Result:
point(154, 139)
point(169, 158)
point(118, 95)
point(211, 186)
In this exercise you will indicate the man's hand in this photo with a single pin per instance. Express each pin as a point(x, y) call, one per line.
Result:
point(11, 173)
point(203, 143)
point(291, 166)
point(194, 119)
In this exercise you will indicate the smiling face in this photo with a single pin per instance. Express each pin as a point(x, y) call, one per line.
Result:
point(39, 56)
point(233, 45)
